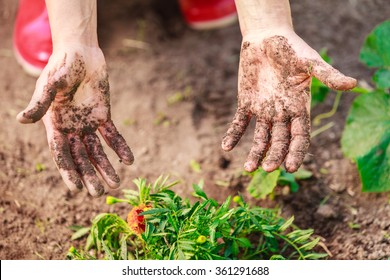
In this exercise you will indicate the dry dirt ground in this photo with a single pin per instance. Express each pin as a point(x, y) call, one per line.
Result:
point(36, 209)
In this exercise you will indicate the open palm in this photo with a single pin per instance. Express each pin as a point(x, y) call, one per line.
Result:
point(274, 87)
point(73, 99)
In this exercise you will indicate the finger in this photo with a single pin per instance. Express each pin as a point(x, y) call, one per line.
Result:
point(236, 130)
point(331, 77)
point(84, 167)
point(99, 159)
point(259, 147)
point(116, 142)
point(300, 142)
point(46, 89)
point(60, 151)
point(279, 146)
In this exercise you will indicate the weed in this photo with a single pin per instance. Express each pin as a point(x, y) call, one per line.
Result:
point(264, 183)
point(39, 167)
point(195, 166)
point(179, 96)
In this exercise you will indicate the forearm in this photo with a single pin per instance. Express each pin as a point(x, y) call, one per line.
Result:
point(73, 22)
point(263, 15)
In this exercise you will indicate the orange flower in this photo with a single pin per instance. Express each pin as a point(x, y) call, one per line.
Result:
point(135, 221)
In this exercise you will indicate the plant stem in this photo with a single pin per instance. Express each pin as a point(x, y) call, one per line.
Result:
point(321, 129)
point(360, 90)
point(317, 119)
point(291, 243)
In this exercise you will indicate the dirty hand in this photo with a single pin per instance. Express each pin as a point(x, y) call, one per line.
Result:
point(73, 99)
point(274, 81)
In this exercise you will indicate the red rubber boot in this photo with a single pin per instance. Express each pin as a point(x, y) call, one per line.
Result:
point(208, 14)
point(32, 36)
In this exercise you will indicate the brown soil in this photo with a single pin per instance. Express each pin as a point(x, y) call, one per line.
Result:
point(36, 209)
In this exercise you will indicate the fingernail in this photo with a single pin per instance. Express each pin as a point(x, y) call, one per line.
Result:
point(225, 146)
point(250, 167)
point(268, 167)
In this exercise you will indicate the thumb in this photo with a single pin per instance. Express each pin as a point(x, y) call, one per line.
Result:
point(332, 77)
point(45, 91)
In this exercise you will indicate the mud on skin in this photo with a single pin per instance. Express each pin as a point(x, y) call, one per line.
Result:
point(274, 86)
point(99, 158)
point(57, 86)
point(81, 106)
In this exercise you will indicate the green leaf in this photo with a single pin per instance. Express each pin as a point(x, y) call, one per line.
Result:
point(123, 249)
point(263, 183)
point(376, 48)
point(109, 254)
point(366, 139)
point(303, 238)
point(244, 242)
point(367, 123)
point(199, 192)
point(90, 242)
point(376, 53)
point(277, 257)
point(286, 224)
point(80, 233)
point(315, 256)
point(234, 248)
point(319, 91)
point(310, 245)
point(302, 174)
point(374, 167)
point(195, 166)
point(288, 179)
point(299, 233)
point(155, 211)
point(382, 78)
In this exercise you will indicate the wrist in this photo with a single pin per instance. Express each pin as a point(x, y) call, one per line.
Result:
point(73, 22)
point(263, 16)
point(258, 35)
point(82, 38)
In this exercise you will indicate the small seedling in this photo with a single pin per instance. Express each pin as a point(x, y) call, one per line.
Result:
point(179, 96)
point(161, 119)
point(264, 183)
point(39, 167)
point(129, 122)
point(195, 166)
point(352, 225)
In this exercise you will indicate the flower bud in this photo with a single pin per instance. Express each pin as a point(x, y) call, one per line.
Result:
point(111, 200)
point(201, 239)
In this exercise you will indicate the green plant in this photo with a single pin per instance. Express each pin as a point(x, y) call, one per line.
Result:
point(319, 91)
point(366, 138)
point(174, 228)
point(264, 183)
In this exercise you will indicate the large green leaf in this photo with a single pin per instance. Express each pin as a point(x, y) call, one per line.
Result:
point(376, 53)
point(374, 167)
point(263, 183)
point(382, 78)
point(367, 124)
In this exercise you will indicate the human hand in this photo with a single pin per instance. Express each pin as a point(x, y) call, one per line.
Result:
point(73, 99)
point(274, 81)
